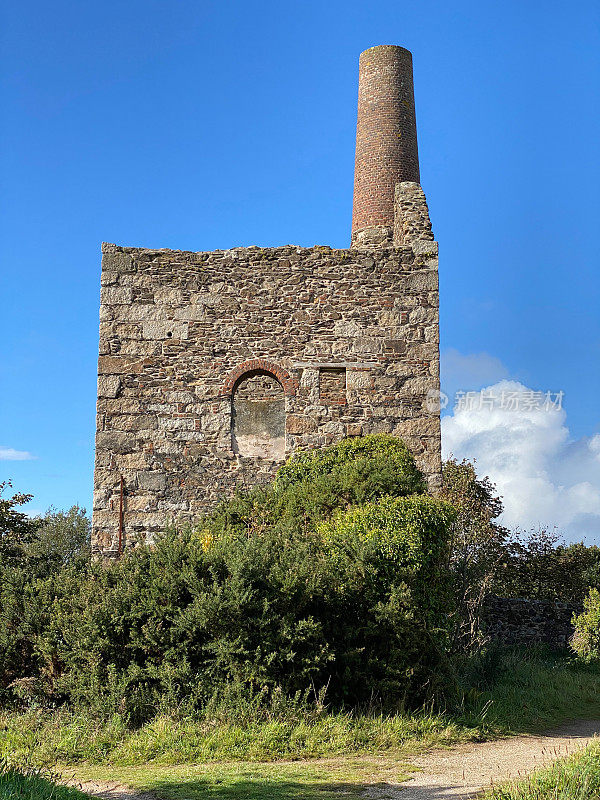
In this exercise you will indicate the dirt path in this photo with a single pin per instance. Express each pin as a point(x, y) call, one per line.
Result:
point(458, 773)
point(463, 771)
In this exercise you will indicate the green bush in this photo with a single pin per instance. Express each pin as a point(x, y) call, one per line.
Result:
point(404, 539)
point(365, 466)
point(182, 623)
point(586, 638)
point(266, 597)
point(313, 484)
point(30, 551)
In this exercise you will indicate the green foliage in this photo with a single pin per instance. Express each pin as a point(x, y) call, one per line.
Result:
point(479, 546)
point(312, 485)
point(179, 623)
point(29, 783)
point(44, 547)
point(255, 603)
point(21, 619)
point(541, 566)
point(486, 558)
point(586, 638)
point(16, 528)
point(61, 538)
point(403, 539)
point(364, 468)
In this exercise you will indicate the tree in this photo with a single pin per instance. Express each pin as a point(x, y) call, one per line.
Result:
point(16, 528)
point(542, 566)
point(479, 545)
point(62, 538)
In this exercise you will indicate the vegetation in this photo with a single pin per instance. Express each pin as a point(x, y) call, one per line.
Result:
point(539, 565)
point(486, 558)
point(32, 784)
point(16, 528)
point(479, 548)
point(573, 778)
point(509, 692)
point(586, 639)
point(280, 592)
point(336, 611)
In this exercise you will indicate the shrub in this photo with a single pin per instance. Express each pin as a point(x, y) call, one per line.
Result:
point(313, 484)
point(365, 466)
point(265, 598)
point(394, 551)
point(405, 539)
point(31, 550)
point(586, 639)
point(183, 622)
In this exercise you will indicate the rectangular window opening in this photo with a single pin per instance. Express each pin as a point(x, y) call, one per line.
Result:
point(332, 385)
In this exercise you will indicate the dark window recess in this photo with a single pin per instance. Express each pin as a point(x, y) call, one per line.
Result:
point(332, 385)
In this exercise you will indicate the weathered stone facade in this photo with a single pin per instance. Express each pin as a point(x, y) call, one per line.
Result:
point(215, 366)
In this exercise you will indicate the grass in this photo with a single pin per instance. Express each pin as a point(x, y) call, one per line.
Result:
point(573, 778)
point(31, 784)
point(296, 780)
point(231, 755)
point(530, 693)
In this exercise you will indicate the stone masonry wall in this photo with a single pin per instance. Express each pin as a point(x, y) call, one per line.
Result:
point(526, 621)
point(321, 344)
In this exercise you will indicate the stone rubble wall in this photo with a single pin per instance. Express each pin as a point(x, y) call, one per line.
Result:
point(180, 330)
point(412, 226)
point(525, 621)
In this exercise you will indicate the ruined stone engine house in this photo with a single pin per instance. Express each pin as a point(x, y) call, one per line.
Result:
point(215, 366)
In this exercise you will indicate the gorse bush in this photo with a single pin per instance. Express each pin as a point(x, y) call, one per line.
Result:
point(283, 591)
point(586, 638)
point(365, 467)
point(30, 551)
point(311, 485)
point(406, 539)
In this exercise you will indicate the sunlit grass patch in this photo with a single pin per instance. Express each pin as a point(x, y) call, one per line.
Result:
point(573, 778)
point(297, 780)
point(31, 784)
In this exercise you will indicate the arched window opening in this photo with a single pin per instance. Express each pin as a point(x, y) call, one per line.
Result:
point(258, 416)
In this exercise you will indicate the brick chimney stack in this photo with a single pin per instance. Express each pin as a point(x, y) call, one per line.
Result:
point(386, 141)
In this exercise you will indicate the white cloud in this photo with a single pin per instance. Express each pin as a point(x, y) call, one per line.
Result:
point(472, 371)
point(10, 454)
point(544, 477)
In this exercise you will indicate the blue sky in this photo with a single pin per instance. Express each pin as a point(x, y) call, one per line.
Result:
point(198, 125)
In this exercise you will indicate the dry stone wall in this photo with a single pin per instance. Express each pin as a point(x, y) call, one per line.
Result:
point(524, 621)
point(214, 366)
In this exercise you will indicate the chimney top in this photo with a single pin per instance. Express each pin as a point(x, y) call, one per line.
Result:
point(386, 139)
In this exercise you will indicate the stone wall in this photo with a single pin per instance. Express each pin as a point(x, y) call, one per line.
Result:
point(523, 621)
point(216, 365)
